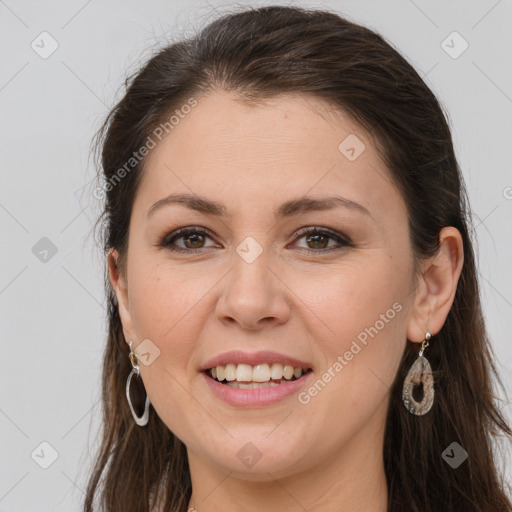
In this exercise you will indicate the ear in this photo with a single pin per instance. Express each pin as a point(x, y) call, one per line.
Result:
point(118, 280)
point(436, 286)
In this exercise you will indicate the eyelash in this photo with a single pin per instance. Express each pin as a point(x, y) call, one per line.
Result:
point(341, 239)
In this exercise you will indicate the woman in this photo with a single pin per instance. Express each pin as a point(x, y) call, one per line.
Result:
point(294, 314)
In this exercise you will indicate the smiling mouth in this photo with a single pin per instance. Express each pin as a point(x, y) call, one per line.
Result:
point(245, 376)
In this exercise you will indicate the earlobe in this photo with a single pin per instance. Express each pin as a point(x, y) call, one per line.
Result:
point(437, 286)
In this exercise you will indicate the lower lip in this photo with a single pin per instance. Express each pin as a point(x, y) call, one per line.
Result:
point(255, 397)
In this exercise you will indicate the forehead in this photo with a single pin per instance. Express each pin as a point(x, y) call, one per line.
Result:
point(286, 146)
point(287, 127)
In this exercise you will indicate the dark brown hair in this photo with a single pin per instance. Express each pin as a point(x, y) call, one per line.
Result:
point(259, 53)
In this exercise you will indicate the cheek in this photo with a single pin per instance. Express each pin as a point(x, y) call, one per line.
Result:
point(362, 333)
point(165, 303)
point(352, 298)
point(164, 298)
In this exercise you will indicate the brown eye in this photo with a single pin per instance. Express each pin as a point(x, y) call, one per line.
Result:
point(192, 239)
point(319, 241)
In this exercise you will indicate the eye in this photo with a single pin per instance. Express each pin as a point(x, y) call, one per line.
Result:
point(319, 238)
point(193, 238)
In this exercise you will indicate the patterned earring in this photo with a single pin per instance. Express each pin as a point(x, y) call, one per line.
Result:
point(135, 393)
point(420, 374)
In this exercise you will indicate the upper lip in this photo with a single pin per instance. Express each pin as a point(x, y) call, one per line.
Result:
point(254, 358)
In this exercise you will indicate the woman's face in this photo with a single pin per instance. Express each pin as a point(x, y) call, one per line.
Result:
point(248, 285)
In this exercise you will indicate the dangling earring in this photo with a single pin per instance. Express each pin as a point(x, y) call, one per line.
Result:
point(419, 374)
point(135, 393)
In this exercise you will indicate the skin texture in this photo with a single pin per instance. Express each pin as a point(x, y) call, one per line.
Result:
point(325, 454)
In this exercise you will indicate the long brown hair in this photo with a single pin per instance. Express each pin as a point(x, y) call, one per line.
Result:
point(259, 53)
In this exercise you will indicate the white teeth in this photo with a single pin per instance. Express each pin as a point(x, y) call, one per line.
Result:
point(288, 372)
point(243, 373)
point(260, 373)
point(230, 372)
point(242, 385)
point(253, 385)
point(221, 373)
point(276, 372)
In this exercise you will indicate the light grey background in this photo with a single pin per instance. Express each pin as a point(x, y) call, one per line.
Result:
point(52, 313)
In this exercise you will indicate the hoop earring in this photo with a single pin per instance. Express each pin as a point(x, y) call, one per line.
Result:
point(135, 394)
point(420, 373)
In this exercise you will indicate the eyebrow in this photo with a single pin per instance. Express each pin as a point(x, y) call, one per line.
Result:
point(287, 209)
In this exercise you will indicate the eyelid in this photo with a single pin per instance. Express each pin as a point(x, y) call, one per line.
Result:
point(342, 239)
point(323, 230)
point(180, 232)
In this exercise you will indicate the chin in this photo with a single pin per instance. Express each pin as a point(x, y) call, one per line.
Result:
point(255, 460)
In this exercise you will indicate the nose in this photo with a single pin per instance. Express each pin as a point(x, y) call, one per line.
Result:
point(253, 296)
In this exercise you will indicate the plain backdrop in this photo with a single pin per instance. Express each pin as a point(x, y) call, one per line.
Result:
point(52, 302)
